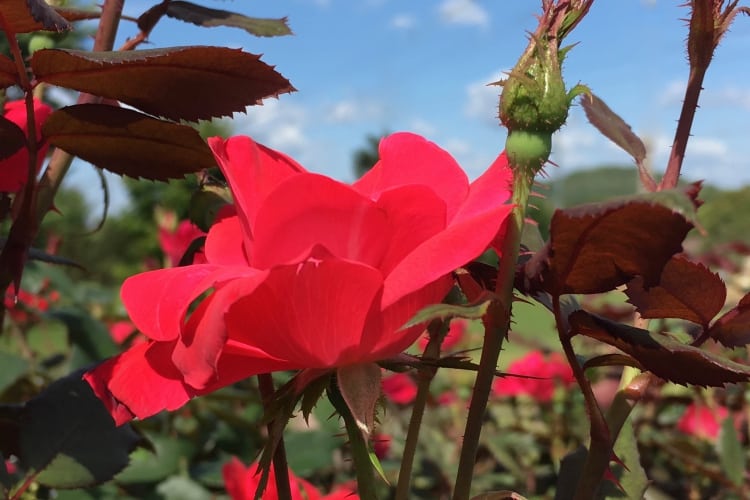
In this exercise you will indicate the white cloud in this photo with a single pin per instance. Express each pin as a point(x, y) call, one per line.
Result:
point(422, 127)
point(277, 124)
point(707, 146)
point(353, 110)
point(403, 22)
point(465, 12)
point(672, 94)
point(728, 97)
point(482, 99)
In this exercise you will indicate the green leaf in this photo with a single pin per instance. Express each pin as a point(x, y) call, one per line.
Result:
point(86, 333)
point(311, 451)
point(179, 83)
point(127, 142)
point(632, 477)
point(70, 438)
point(182, 488)
point(152, 467)
point(203, 16)
point(731, 453)
point(24, 16)
point(14, 367)
point(445, 311)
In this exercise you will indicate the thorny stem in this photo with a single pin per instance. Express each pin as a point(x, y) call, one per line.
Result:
point(280, 465)
point(19, 237)
point(496, 326)
point(684, 124)
point(60, 162)
point(600, 448)
point(424, 376)
point(359, 448)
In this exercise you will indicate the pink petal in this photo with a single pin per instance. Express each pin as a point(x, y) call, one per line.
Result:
point(140, 382)
point(252, 171)
point(389, 335)
point(310, 210)
point(14, 170)
point(197, 352)
point(224, 243)
point(448, 250)
point(158, 300)
point(415, 214)
point(312, 315)
point(407, 158)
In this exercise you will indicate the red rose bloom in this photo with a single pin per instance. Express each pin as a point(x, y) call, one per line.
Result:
point(241, 483)
point(702, 421)
point(309, 273)
point(551, 372)
point(400, 388)
point(455, 334)
point(175, 243)
point(14, 170)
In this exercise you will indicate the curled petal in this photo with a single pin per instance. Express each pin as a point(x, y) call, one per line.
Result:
point(311, 315)
point(158, 300)
point(224, 243)
point(140, 382)
point(252, 171)
point(197, 352)
point(407, 158)
point(312, 210)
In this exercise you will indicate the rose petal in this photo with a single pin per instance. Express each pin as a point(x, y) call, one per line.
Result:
point(197, 352)
point(310, 210)
point(140, 382)
point(252, 171)
point(224, 243)
point(448, 250)
point(158, 300)
point(312, 315)
point(407, 158)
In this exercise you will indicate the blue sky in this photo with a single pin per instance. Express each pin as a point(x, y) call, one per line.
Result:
point(370, 66)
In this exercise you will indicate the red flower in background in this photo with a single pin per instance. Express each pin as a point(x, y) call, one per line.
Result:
point(455, 335)
point(308, 273)
point(174, 243)
point(27, 306)
point(702, 421)
point(400, 388)
point(552, 371)
point(241, 483)
point(14, 169)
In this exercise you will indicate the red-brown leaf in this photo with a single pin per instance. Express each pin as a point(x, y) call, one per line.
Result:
point(686, 290)
point(203, 16)
point(666, 358)
point(733, 328)
point(8, 72)
point(12, 138)
point(127, 142)
point(180, 83)
point(24, 16)
point(597, 247)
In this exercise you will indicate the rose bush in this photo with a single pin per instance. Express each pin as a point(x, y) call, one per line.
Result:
point(306, 273)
